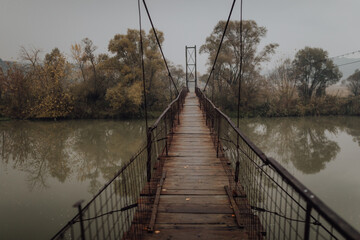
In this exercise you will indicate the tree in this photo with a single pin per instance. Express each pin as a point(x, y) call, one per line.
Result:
point(227, 67)
point(353, 83)
point(126, 96)
point(314, 71)
point(49, 90)
point(14, 88)
point(283, 84)
point(89, 55)
point(78, 55)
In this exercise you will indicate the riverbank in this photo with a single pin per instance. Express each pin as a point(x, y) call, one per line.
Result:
point(326, 106)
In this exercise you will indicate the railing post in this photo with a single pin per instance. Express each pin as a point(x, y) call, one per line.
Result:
point(166, 136)
point(218, 134)
point(237, 168)
point(307, 221)
point(206, 113)
point(148, 164)
point(178, 112)
point(78, 206)
point(212, 115)
point(200, 101)
point(171, 119)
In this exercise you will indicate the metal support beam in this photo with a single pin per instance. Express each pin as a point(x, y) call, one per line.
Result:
point(191, 67)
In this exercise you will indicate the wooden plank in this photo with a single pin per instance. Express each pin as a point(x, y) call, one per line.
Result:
point(198, 199)
point(194, 218)
point(189, 154)
point(198, 233)
point(234, 207)
point(196, 186)
point(180, 163)
point(156, 203)
point(195, 208)
point(192, 191)
point(191, 167)
point(198, 172)
point(204, 151)
point(194, 158)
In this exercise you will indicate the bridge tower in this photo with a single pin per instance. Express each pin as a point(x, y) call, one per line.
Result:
point(191, 71)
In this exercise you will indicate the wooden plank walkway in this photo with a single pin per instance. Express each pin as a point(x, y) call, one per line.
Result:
point(193, 202)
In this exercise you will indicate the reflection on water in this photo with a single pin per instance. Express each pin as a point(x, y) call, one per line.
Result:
point(85, 149)
point(54, 162)
point(47, 166)
point(322, 152)
point(305, 142)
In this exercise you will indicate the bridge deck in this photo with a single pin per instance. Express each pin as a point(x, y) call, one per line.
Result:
point(193, 202)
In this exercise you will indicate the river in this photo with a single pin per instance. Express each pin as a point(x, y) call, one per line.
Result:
point(322, 152)
point(45, 167)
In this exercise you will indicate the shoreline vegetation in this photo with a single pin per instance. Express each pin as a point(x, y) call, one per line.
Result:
point(109, 85)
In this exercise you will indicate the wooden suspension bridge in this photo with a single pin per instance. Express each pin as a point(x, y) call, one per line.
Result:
point(198, 177)
point(193, 201)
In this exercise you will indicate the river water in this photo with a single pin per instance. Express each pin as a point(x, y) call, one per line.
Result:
point(45, 167)
point(322, 152)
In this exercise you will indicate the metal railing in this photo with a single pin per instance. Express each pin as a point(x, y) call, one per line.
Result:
point(122, 208)
point(277, 205)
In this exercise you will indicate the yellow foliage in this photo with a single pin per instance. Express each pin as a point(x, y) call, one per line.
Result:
point(134, 93)
point(116, 96)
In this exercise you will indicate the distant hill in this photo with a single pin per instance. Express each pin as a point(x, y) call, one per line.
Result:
point(349, 69)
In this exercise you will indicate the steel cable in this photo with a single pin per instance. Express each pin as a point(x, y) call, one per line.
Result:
point(158, 42)
point(221, 41)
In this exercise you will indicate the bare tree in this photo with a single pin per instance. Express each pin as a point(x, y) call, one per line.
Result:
point(78, 55)
point(283, 83)
point(89, 50)
point(353, 83)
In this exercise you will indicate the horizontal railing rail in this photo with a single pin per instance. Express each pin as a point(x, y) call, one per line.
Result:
point(122, 207)
point(285, 207)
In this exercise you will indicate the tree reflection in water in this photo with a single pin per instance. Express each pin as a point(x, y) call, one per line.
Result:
point(88, 150)
point(305, 142)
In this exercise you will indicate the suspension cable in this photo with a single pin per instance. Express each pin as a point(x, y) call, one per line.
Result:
point(221, 41)
point(259, 209)
point(143, 67)
point(108, 213)
point(158, 42)
point(241, 60)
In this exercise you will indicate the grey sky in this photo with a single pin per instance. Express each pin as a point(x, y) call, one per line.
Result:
point(293, 24)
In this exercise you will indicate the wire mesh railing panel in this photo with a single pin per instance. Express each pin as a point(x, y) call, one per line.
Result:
point(122, 208)
point(273, 203)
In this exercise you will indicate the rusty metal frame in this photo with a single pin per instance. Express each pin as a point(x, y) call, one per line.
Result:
point(191, 67)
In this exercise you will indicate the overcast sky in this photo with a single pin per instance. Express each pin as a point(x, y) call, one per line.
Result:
point(293, 24)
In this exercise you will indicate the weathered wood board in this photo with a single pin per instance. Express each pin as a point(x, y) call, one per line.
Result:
point(193, 202)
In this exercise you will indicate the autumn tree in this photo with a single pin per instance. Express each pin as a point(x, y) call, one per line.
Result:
point(126, 96)
point(14, 92)
point(227, 68)
point(314, 71)
point(77, 53)
point(353, 83)
point(17, 84)
point(49, 89)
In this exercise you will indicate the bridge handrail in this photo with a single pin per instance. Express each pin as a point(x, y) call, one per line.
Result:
point(312, 201)
point(140, 168)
